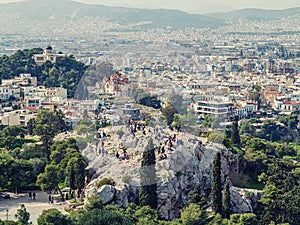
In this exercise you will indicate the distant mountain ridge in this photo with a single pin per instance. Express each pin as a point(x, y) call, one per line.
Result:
point(57, 10)
point(256, 14)
point(66, 9)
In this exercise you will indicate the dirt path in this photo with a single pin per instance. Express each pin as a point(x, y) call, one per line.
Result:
point(34, 207)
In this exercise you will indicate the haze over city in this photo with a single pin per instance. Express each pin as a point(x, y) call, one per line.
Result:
point(204, 6)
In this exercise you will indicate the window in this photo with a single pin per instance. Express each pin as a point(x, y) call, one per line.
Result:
point(41, 58)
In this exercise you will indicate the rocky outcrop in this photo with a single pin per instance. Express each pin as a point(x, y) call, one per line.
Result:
point(244, 200)
point(186, 165)
point(107, 193)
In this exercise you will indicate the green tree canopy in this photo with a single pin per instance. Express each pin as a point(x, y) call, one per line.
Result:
point(216, 193)
point(281, 194)
point(193, 215)
point(48, 180)
point(227, 209)
point(169, 111)
point(235, 135)
point(53, 217)
point(104, 217)
point(22, 215)
point(47, 125)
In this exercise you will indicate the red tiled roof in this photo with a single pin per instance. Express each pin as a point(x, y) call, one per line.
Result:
point(290, 103)
point(31, 108)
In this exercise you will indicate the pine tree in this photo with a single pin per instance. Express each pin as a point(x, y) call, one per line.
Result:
point(235, 136)
point(22, 215)
point(226, 201)
point(148, 189)
point(196, 197)
point(216, 193)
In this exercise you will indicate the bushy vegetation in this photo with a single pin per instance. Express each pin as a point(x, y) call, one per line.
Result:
point(27, 161)
point(269, 160)
point(106, 181)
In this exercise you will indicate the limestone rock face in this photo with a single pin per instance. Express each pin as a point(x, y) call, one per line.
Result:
point(244, 200)
point(185, 166)
point(106, 192)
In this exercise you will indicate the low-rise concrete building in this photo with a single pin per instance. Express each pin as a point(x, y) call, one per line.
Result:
point(222, 109)
point(16, 118)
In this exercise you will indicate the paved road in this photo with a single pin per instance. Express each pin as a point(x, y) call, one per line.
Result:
point(34, 207)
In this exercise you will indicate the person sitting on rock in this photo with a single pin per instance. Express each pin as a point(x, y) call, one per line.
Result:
point(163, 150)
point(160, 157)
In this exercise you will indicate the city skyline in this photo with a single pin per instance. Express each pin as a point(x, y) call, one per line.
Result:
point(205, 6)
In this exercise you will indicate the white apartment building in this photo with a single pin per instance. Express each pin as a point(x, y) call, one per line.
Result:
point(222, 109)
point(289, 107)
point(8, 91)
point(245, 110)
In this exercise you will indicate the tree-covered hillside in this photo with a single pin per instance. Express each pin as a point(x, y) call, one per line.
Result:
point(66, 72)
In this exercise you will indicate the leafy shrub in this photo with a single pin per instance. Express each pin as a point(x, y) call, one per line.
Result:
point(106, 181)
point(120, 133)
point(126, 178)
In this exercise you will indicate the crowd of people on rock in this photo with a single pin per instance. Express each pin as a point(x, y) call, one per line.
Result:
point(125, 155)
point(135, 126)
point(167, 142)
point(101, 136)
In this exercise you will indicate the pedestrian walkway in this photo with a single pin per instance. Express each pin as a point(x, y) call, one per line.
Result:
point(34, 207)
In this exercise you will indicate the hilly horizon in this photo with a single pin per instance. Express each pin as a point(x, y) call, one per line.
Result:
point(66, 9)
point(61, 10)
point(256, 14)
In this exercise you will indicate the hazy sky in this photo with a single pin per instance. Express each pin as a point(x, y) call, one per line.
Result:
point(196, 6)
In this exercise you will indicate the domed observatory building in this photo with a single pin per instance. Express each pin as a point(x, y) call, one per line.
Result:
point(48, 55)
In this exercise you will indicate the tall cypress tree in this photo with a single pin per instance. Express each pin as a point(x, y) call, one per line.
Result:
point(235, 135)
point(148, 189)
point(216, 193)
point(226, 200)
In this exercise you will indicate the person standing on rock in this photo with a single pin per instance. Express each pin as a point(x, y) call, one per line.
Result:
point(29, 195)
point(102, 148)
point(33, 196)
